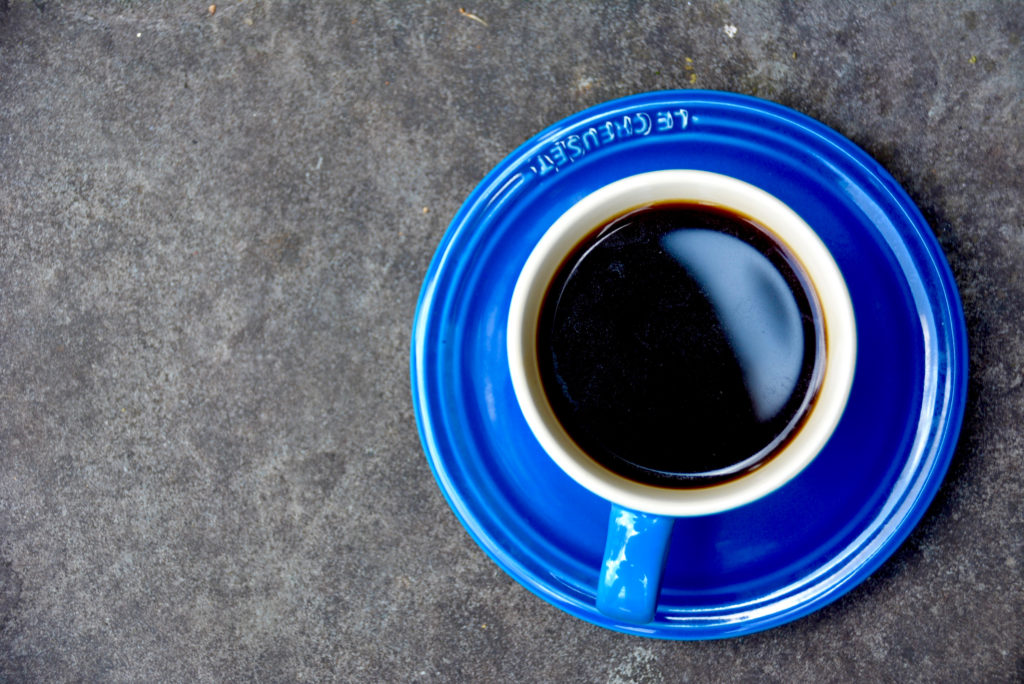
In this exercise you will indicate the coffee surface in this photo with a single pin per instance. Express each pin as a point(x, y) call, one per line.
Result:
point(678, 345)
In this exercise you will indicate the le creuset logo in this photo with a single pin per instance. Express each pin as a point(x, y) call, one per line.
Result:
point(569, 148)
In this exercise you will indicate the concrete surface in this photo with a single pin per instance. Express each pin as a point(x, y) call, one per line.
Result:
point(213, 229)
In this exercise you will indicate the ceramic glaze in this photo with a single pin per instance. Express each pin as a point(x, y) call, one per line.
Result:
point(788, 553)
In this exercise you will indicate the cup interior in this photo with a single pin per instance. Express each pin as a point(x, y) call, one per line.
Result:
point(837, 347)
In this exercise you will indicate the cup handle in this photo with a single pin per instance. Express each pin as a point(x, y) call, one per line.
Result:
point(634, 558)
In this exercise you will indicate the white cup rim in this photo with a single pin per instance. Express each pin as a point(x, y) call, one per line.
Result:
point(701, 187)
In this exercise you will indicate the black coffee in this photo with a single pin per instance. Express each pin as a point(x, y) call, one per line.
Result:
point(678, 345)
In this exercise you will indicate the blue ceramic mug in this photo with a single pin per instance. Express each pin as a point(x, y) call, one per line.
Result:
point(642, 514)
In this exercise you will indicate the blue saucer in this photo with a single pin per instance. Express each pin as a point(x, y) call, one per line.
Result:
point(789, 553)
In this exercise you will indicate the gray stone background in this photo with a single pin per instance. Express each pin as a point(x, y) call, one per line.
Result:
point(213, 230)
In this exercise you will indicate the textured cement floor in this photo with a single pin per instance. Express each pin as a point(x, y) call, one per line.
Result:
point(213, 229)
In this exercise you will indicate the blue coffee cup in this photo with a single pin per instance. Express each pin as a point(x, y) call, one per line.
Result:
point(642, 513)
